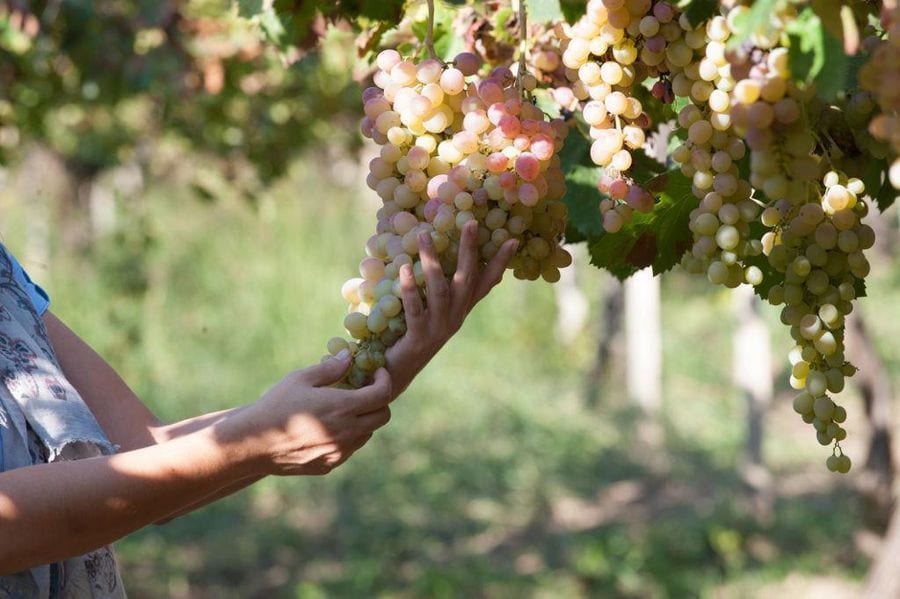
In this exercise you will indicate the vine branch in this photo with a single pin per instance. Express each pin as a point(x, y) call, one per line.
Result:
point(429, 32)
point(523, 45)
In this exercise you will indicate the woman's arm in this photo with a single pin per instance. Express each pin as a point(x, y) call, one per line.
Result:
point(53, 511)
point(126, 421)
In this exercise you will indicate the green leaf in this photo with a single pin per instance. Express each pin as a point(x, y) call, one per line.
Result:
point(249, 8)
point(377, 10)
point(273, 27)
point(757, 18)
point(829, 12)
point(885, 195)
point(698, 11)
point(656, 239)
point(643, 167)
point(818, 57)
point(572, 10)
point(583, 200)
point(446, 43)
point(544, 11)
point(544, 100)
point(501, 32)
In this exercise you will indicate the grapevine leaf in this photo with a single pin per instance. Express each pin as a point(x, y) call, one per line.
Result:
point(698, 11)
point(544, 11)
point(572, 10)
point(673, 237)
point(656, 239)
point(829, 12)
point(679, 103)
point(446, 44)
point(757, 18)
point(249, 8)
point(501, 32)
point(859, 286)
point(377, 10)
point(577, 149)
point(817, 56)
point(582, 199)
point(273, 27)
point(573, 235)
point(544, 100)
point(885, 195)
point(643, 167)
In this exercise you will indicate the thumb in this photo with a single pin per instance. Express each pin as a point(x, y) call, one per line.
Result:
point(329, 371)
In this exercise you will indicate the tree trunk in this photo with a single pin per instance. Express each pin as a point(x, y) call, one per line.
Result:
point(883, 581)
point(613, 301)
point(41, 182)
point(643, 364)
point(571, 304)
point(752, 373)
point(874, 382)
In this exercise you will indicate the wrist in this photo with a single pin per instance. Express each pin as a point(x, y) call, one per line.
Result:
point(243, 446)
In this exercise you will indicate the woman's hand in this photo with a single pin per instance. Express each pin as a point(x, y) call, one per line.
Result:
point(303, 426)
point(428, 329)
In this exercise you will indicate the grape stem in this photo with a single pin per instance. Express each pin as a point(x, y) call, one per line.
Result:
point(523, 47)
point(429, 33)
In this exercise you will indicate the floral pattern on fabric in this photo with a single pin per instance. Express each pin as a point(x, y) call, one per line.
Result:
point(44, 419)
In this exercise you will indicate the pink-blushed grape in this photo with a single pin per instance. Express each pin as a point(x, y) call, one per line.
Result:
point(618, 189)
point(528, 166)
point(497, 162)
point(542, 146)
point(528, 194)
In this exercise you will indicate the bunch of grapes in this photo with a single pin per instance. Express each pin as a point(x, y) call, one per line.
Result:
point(819, 248)
point(748, 100)
point(721, 223)
point(601, 54)
point(879, 76)
point(453, 149)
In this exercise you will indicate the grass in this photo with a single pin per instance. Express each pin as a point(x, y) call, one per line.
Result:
point(493, 479)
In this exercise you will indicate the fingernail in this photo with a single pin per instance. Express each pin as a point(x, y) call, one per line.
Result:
point(425, 238)
point(342, 355)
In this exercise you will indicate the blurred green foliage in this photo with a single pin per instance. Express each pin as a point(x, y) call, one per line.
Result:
point(102, 82)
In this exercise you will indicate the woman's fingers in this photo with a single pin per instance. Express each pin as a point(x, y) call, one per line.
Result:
point(412, 303)
point(374, 420)
point(493, 272)
point(437, 290)
point(373, 397)
point(466, 275)
point(326, 373)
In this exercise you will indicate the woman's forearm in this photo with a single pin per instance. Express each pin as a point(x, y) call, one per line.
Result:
point(166, 432)
point(54, 511)
point(214, 496)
